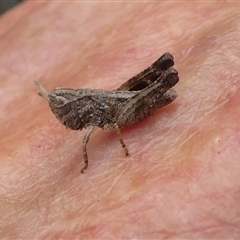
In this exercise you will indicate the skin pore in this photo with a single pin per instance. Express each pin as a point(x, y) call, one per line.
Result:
point(181, 177)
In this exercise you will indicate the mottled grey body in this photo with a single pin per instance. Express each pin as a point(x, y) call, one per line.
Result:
point(132, 102)
point(77, 109)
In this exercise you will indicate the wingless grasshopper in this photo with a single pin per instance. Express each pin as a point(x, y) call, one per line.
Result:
point(131, 103)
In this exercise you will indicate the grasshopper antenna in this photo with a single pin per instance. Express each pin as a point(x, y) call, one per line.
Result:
point(43, 92)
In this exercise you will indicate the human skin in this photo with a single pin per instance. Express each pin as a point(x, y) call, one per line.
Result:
point(181, 179)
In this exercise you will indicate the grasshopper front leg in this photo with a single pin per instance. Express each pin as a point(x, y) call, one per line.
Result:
point(85, 141)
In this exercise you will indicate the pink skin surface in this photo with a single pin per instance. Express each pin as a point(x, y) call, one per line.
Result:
point(181, 179)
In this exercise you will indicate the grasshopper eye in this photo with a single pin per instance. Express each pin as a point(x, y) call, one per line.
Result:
point(57, 101)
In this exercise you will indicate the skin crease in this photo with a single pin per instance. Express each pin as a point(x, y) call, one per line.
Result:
point(181, 179)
